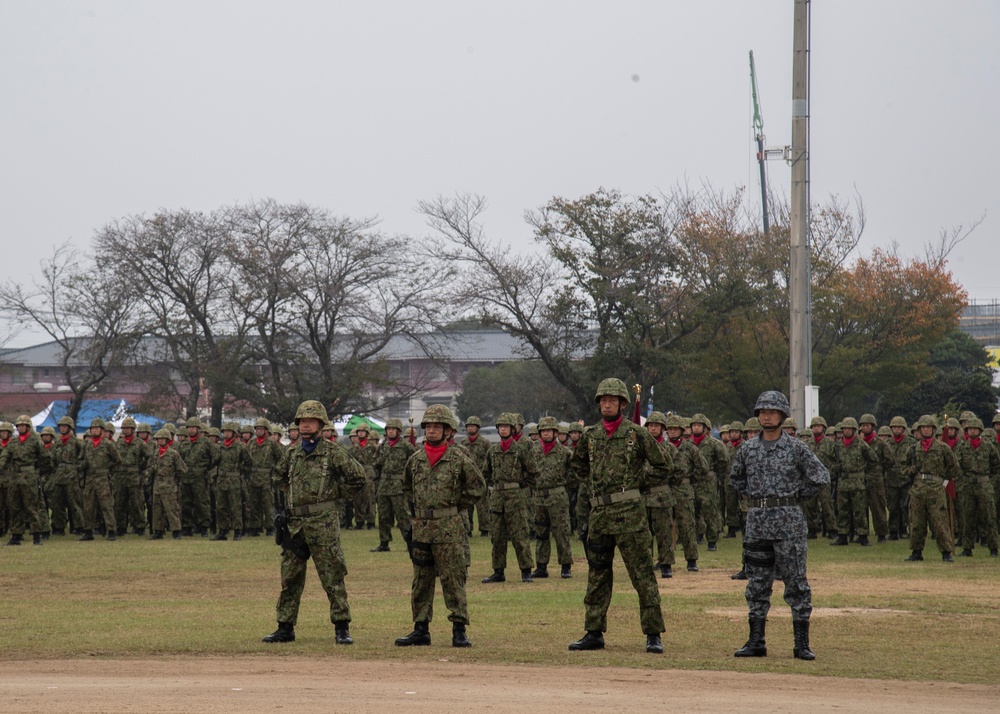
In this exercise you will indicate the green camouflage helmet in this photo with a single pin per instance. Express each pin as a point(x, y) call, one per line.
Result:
point(897, 421)
point(804, 433)
point(915, 425)
point(518, 419)
point(7, 426)
point(128, 422)
point(830, 431)
point(261, 421)
point(752, 424)
point(108, 426)
point(23, 419)
point(194, 421)
point(505, 418)
point(563, 428)
point(884, 431)
point(702, 419)
point(171, 428)
point(818, 420)
point(96, 421)
point(473, 421)
point(275, 429)
point(309, 409)
point(68, 421)
point(772, 399)
point(612, 387)
point(675, 421)
point(533, 430)
point(163, 434)
point(354, 432)
point(868, 419)
point(996, 418)
point(548, 423)
point(394, 424)
point(973, 423)
point(953, 423)
point(577, 428)
point(737, 426)
point(438, 414)
point(966, 415)
point(927, 420)
point(849, 423)
point(143, 427)
point(48, 430)
point(790, 423)
point(657, 418)
point(231, 426)
point(214, 431)
point(246, 429)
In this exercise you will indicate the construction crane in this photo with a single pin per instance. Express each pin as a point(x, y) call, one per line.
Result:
point(758, 129)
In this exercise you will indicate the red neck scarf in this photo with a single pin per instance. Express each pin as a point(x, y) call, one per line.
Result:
point(548, 446)
point(96, 441)
point(698, 439)
point(899, 439)
point(260, 442)
point(4, 442)
point(926, 443)
point(818, 439)
point(192, 439)
point(128, 439)
point(24, 437)
point(69, 436)
point(47, 445)
point(974, 443)
point(364, 442)
point(228, 442)
point(472, 439)
point(735, 444)
point(393, 442)
point(163, 450)
point(950, 442)
point(677, 441)
point(505, 444)
point(434, 453)
point(659, 439)
point(847, 442)
point(869, 438)
point(517, 436)
point(610, 427)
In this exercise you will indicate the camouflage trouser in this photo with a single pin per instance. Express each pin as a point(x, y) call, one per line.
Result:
point(995, 483)
point(582, 508)
point(929, 507)
point(364, 504)
point(735, 516)
point(819, 511)
point(684, 517)
point(130, 503)
point(229, 504)
point(852, 507)
point(483, 513)
point(720, 495)
point(511, 523)
point(195, 512)
point(97, 495)
point(65, 501)
point(44, 518)
point(706, 504)
point(895, 497)
point(392, 510)
point(876, 502)
point(321, 532)
point(166, 512)
point(258, 504)
point(787, 558)
point(636, 549)
point(445, 561)
point(661, 527)
point(22, 504)
point(978, 508)
point(553, 519)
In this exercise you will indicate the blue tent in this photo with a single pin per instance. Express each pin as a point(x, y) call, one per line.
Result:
point(113, 410)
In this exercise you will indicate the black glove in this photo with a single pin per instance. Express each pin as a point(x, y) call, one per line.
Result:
point(583, 533)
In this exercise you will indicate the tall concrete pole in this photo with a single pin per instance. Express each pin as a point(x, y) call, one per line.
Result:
point(800, 357)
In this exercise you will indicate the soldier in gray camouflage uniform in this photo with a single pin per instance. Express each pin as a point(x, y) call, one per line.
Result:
point(776, 472)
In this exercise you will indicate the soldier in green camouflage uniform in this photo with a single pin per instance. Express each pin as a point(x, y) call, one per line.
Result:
point(551, 500)
point(611, 461)
point(734, 514)
point(199, 457)
point(689, 467)
point(130, 502)
point(65, 498)
point(22, 460)
point(440, 481)
point(315, 474)
point(266, 456)
point(364, 453)
point(897, 484)
point(820, 515)
point(234, 467)
point(775, 472)
point(100, 458)
point(978, 460)
point(853, 460)
point(164, 472)
point(707, 490)
point(477, 446)
point(930, 464)
point(390, 461)
point(877, 474)
point(510, 472)
point(660, 501)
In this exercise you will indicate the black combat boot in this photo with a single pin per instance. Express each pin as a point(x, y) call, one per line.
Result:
point(701, 540)
point(841, 540)
point(742, 575)
point(541, 571)
point(202, 531)
point(526, 575)
point(994, 553)
point(653, 644)
point(59, 531)
point(420, 636)
point(812, 535)
point(863, 541)
point(946, 557)
point(121, 531)
point(666, 571)
point(178, 535)
point(87, 535)
point(881, 539)
point(139, 531)
point(237, 535)
point(914, 556)
point(966, 553)
point(458, 637)
point(185, 531)
point(593, 640)
point(756, 646)
point(692, 566)
point(221, 535)
point(342, 632)
point(36, 538)
point(731, 533)
point(157, 535)
point(284, 633)
point(566, 571)
point(111, 535)
point(497, 577)
point(801, 649)
point(894, 536)
point(712, 547)
point(382, 547)
point(15, 539)
point(484, 534)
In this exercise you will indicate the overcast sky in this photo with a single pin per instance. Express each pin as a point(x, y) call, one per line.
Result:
point(116, 108)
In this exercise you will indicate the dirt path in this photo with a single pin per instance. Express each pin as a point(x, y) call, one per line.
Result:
point(240, 685)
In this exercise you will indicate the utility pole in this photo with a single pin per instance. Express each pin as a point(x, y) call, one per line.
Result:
point(800, 357)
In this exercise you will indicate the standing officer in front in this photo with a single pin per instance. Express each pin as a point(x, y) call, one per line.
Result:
point(777, 472)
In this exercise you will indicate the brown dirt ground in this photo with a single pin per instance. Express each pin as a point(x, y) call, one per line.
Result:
point(288, 684)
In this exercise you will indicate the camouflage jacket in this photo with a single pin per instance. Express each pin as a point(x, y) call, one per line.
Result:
point(235, 463)
point(716, 456)
point(266, 456)
point(199, 458)
point(929, 468)
point(515, 465)
point(67, 459)
point(553, 469)
point(824, 451)
point(24, 459)
point(885, 460)
point(661, 496)
point(613, 467)
point(782, 468)
point(135, 457)
point(327, 474)
point(390, 461)
point(689, 465)
point(366, 455)
point(852, 464)
point(897, 478)
point(165, 471)
point(977, 464)
point(100, 460)
point(453, 482)
point(477, 449)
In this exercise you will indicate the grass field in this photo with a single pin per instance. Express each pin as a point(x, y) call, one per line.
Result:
point(876, 616)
